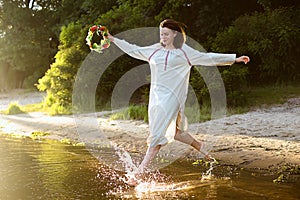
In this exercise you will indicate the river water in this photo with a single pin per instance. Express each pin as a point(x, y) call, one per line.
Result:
point(32, 169)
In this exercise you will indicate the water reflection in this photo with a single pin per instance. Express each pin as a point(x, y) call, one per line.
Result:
point(49, 170)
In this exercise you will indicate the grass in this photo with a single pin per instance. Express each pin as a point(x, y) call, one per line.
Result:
point(195, 116)
point(13, 109)
point(37, 135)
point(37, 107)
point(135, 112)
point(270, 95)
point(259, 97)
point(264, 97)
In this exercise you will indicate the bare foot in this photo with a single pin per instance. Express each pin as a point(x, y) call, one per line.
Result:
point(203, 149)
point(132, 181)
point(208, 157)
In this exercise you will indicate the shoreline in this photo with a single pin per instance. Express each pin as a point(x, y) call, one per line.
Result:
point(262, 139)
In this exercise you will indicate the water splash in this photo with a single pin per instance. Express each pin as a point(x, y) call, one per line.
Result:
point(145, 188)
point(126, 159)
point(153, 184)
point(153, 181)
point(131, 168)
point(208, 174)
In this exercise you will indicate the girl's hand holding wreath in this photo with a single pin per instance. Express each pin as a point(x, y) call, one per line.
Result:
point(105, 41)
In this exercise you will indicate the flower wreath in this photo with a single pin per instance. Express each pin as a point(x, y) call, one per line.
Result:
point(104, 43)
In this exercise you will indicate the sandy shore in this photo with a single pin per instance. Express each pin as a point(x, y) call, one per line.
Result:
point(258, 139)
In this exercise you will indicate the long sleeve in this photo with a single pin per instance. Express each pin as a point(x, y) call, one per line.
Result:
point(208, 59)
point(135, 51)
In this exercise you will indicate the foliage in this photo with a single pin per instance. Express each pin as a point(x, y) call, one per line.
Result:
point(195, 116)
point(273, 4)
point(36, 34)
point(135, 112)
point(233, 77)
point(235, 82)
point(129, 14)
point(269, 95)
point(37, 107)
point(182, 11)
point(14, 108)
point(29, 32)
point(37, 135)
point(138, 112)
point(287, 173)
point(25, 46)
point(197, 15)
point(58, 80)
point(271, 39)
point(199, 86)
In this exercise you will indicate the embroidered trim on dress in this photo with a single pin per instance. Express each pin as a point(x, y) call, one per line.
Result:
point(166, 60)
point(187, 58)
point(154, 53)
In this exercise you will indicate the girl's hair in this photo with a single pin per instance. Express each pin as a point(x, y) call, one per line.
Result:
point(179, 28)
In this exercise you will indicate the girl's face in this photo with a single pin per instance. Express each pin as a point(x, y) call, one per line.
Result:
point(167, 36)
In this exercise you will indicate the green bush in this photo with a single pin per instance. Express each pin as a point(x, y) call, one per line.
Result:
point(271, 39)
point(59, 79)
point(14, 108)
point(138, 112)
point(235, 81)
point(233, 77)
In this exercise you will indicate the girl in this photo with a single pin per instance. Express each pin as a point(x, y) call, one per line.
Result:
point(170, 63)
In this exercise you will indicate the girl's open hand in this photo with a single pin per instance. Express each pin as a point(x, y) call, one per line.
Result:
point(244, 59)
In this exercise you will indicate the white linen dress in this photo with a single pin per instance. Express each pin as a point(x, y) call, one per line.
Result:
point(170, 71)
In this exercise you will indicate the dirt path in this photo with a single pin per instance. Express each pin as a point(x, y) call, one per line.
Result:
point(261, 138)
point(20, 96)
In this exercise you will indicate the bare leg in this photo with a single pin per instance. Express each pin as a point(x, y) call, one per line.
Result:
point(188, 139)
point(150, 154)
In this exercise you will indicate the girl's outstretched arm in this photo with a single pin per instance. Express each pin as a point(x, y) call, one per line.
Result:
point(135, 51)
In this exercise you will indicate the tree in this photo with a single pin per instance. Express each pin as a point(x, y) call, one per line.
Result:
point(271, 39)
point(58, 80)
point(217, 25)
point(204, 19)
point(29, 32)
point(26, 50)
